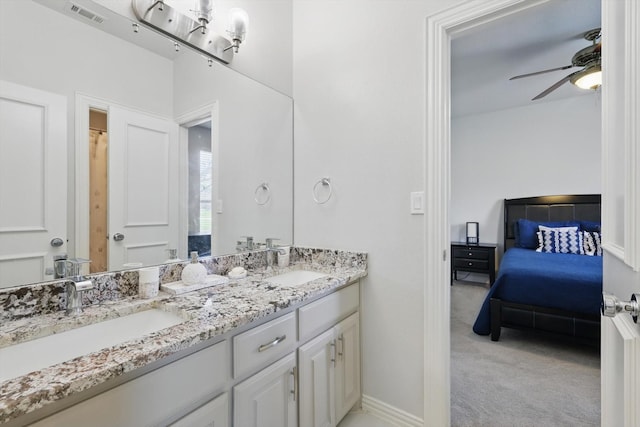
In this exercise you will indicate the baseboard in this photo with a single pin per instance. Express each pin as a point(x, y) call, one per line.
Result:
point(389, 413)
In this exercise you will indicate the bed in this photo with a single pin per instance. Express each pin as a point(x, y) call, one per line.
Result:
point(557, 293)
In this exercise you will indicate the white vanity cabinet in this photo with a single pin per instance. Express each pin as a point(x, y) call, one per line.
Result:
point(268, 398)
point(157, 397)
point(301, 367)
point(324, 384)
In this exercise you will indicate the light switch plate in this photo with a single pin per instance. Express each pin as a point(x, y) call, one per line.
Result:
point(417, 203)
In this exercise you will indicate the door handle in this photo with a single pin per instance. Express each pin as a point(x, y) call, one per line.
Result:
point(611, 306)
point(56, 242)
point(118, 237)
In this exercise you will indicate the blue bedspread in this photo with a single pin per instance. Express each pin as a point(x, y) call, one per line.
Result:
point(563, 281)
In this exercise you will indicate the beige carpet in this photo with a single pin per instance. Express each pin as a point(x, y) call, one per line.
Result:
point(524, 379)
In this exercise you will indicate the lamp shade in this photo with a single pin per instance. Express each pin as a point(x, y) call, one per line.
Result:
point(204, 10)
point(589, 78)
point(238, 24)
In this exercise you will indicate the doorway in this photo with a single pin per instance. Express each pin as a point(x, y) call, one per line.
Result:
point(200, 202)
point(199, 171)
point(98, 191)
point(440, 28)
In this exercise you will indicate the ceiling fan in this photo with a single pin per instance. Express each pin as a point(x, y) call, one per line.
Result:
point(589, 77)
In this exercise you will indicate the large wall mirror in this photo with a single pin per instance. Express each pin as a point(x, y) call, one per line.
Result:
point(115, 153)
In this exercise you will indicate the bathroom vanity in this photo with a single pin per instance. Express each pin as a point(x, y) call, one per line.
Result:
point(256, 349)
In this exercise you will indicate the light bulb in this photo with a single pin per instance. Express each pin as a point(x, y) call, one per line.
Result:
point(238, 24)
point(589, 78)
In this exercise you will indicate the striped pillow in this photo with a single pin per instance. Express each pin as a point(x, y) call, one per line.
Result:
point(592, 243)
point(560, 240)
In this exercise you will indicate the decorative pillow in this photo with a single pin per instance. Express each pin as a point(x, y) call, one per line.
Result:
point(564, 240)
point(592, 243)
point(526, 231)
point(590, 226)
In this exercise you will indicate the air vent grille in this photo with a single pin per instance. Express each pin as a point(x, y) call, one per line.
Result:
point(86, 13)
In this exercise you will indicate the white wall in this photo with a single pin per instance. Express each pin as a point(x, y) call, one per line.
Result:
point(537, 150)
point(359, 96)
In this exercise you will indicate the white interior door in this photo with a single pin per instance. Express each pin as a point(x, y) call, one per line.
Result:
point(143, 188)
point(620, 346)
point(33, 182)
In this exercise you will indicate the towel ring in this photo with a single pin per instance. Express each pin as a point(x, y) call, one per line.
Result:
point(323, 182)
point(266, 190)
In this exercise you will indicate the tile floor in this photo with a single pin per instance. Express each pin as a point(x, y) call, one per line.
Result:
point(363, 419)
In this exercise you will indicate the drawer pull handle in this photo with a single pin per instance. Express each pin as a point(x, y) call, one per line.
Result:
point(470, 253)
point(273, 343)
point(470, 263)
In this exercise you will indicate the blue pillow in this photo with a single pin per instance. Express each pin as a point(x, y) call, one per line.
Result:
point(590, 226)
point(526, 231)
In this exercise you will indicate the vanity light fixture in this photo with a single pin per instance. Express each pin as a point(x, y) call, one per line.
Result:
point(193, 29)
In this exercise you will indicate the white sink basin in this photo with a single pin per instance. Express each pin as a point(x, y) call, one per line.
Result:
point(29, 356)
point(295, 278)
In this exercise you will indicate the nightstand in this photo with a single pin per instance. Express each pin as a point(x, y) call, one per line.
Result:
point(480, 258)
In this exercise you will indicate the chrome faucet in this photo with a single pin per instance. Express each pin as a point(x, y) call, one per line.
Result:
point(271, 250)
point(76, 283)
point(246, 245)
point(74, 295)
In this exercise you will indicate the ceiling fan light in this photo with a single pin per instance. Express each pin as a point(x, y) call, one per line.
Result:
point(589, 78)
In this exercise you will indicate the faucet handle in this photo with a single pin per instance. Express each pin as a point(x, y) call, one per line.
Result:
point(75, 264)
point(270, 240)
point(249, 241)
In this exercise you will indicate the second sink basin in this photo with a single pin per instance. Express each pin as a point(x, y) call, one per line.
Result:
point(295, 278)
point(29, 356)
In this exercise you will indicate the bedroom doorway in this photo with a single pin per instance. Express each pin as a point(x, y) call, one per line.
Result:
point(440, 29)
point(500, 126)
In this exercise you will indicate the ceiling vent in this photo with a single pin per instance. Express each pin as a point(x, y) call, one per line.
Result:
point(86, 13)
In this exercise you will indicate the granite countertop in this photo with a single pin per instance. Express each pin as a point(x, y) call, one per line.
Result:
point(209, 312)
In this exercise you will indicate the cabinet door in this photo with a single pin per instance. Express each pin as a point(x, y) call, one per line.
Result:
point(347, 378)
point(268, 399)
point(214, 413)
point(316, 364)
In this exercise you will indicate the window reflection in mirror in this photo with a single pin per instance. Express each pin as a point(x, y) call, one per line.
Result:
point(200, 189)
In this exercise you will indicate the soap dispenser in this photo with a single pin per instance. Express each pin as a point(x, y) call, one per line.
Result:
point(194, 272)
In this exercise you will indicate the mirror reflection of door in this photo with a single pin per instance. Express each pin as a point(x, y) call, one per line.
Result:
point(33, 183)
point(138, 173)
point(200, 188)
point(98, 197)
point(143, 188)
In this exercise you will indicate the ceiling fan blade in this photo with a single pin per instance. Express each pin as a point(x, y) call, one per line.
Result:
point(566, 67)
point(555, 86)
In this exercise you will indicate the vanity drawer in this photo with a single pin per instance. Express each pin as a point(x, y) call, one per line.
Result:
point(321, 315)
point(263, 344)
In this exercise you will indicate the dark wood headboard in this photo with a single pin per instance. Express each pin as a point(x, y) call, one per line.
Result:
point(585, 207)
